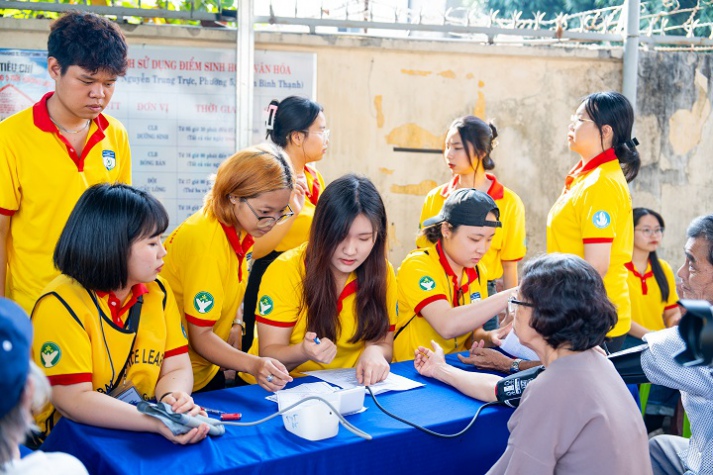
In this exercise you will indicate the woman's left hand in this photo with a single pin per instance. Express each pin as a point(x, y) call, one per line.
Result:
point(182, 403)
point(372, 367)
point(427, 361)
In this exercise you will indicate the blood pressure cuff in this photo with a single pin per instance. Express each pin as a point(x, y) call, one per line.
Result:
point(179, 423)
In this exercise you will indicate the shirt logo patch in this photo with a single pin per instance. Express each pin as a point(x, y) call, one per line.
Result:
point(475, 296)
point(601, 219)
point(266, 305)
point(109, 158)
point(203, 302)
point(50, 354)
point(426, 283)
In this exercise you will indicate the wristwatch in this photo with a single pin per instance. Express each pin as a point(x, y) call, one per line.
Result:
point(515, 365)
point(238, 321)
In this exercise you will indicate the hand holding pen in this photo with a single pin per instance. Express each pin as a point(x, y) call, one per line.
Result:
point(321, 350)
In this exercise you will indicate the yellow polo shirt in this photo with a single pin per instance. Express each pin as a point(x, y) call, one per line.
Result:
point(425, 276)
point(509, 242)
point(279, 305)
point(81, 340)
point(595, 207)
point(207, 269)
point(41, 179)
point(647, 306)
point(299, 231)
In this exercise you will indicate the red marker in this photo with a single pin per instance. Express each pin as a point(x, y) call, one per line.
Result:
point(234, 416)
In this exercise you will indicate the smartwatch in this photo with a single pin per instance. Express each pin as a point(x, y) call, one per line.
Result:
point(515, 365)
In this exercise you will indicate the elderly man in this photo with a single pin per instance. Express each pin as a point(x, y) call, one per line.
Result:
point(672, 454)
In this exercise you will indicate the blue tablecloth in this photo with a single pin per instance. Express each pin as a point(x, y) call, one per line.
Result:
point(269, 448)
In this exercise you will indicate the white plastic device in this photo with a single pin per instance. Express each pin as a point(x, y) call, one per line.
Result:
point(314, 420)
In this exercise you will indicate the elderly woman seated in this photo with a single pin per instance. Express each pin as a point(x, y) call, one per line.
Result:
point(577, 417)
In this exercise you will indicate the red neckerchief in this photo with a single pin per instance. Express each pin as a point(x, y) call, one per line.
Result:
point(313, 194)
point(239, 248)
point(41, 118)
point(580, 169)
point(496, 190)
point(348, 290)
point(642, 278)
point(115, 307)
point(470, 273)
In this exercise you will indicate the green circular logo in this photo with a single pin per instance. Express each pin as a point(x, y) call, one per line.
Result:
point(203, 302)
point(50, 354)
point(426, 283)
point(266, 305)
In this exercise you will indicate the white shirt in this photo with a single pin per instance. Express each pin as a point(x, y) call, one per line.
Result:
point(42, 463)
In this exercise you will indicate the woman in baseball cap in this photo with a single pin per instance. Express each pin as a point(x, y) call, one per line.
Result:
point(442, 288)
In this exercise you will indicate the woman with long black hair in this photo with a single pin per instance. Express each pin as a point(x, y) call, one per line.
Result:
point(331, 303)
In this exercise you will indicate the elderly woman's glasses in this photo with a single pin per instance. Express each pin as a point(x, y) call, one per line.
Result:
point(267, 221)
point(513, 302)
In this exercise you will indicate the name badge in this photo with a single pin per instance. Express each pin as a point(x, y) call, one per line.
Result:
point(129, 395)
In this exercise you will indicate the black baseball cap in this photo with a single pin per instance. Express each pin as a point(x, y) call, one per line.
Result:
point(467, 207)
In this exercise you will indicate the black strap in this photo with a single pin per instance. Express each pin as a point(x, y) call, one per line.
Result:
point(398, 332)
point(132, 324)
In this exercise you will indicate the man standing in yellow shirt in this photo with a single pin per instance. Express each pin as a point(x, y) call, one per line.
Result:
point(53, 151)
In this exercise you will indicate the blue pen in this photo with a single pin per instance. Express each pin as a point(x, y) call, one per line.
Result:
point(316, 340)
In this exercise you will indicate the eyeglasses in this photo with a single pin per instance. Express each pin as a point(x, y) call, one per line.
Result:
point(322, 133)
point(268, 221)
point(648, 232)
point(513, 301)
point(575, 118)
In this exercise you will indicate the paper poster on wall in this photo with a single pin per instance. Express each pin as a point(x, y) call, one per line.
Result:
point(179, 107)
point(23, 79)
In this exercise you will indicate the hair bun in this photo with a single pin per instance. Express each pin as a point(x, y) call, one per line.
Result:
point(493, 129)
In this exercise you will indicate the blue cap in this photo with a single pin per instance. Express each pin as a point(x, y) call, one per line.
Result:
point(15, 343)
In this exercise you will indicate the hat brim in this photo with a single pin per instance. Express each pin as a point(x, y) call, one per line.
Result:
point(437, 219)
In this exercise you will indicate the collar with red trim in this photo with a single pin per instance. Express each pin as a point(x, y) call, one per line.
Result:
point(41, 117)
point(470, 272)
point(348, 290)
point(313, 194)
point(118, 310)
point(496, 190)
point(580, 168)
point(240, 248)
point(643, 278)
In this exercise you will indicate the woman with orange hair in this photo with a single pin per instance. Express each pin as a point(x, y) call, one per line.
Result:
point(208, 261)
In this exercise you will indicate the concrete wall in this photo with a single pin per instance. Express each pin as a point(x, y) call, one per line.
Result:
point(379, 94)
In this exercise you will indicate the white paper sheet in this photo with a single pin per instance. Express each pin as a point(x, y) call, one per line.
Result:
point(307, 389)
point(512, 345)
point(346, 379)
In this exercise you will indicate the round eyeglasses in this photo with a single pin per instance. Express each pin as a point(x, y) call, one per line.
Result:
point(269, 221)
point(648, 232)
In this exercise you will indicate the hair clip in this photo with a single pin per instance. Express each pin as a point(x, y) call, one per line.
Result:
point(271, 112)
point(632, 143)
